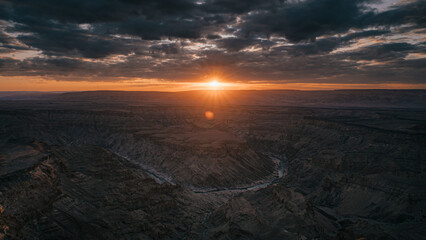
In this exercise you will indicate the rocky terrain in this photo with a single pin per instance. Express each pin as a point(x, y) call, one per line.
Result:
point(107, 165)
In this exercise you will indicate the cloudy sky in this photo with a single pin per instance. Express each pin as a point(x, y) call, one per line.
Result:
point(181, 44)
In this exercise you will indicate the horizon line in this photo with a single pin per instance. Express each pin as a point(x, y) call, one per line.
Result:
point(221, 90)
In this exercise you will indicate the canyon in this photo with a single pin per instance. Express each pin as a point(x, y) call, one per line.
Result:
point(347, 164)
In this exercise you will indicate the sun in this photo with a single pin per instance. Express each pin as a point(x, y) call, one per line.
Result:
point(214, 84)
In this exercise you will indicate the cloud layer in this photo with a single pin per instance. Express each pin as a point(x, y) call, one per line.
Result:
point(279, 41)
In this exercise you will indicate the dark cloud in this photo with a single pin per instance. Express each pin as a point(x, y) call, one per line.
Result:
point(383, 52)
point(327, 45)
point(238, 6)
point(83, 11)
point(155, 30)
point(213, 36)
point(363, 34)
point(234, 44)
point(412, 13)
point(317, 47)
point(171, 48)
point(307, 19)
point(9, 44)
point(72, 41)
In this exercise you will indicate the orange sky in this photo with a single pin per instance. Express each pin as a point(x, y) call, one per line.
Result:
point(37, 84)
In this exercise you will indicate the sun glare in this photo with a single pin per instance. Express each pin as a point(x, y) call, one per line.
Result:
point(214, 84)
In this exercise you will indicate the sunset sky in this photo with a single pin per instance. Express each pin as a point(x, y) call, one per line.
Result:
point(174, 45)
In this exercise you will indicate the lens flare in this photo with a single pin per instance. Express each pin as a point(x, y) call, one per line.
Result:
point(209, 115)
